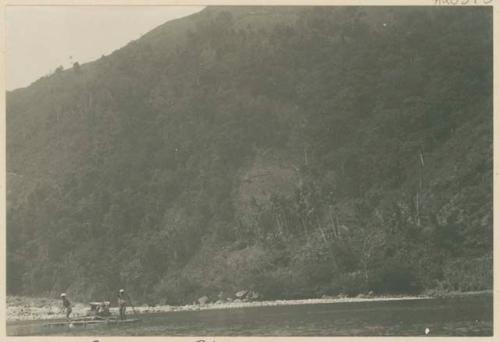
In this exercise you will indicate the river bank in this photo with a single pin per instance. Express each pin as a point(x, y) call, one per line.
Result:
point(27, 308)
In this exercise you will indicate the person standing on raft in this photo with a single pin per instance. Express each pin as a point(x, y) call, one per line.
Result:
point(66, 304)
point(123, 300)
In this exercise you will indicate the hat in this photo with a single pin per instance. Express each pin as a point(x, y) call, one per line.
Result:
point(63, 294)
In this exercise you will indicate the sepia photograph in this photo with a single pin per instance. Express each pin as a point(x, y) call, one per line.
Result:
point(249, 170)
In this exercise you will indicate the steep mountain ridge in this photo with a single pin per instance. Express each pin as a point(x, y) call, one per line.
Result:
point(293, 151)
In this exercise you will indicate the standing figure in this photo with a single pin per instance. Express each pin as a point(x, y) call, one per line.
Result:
point(123, 300)
point(66, 305)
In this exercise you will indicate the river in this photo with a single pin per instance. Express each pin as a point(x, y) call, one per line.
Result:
point(453, 316)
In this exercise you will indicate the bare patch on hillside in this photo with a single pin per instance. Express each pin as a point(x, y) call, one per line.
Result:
point(265, 177)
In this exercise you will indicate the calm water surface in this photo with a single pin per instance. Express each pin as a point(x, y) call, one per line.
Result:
point(458, 316)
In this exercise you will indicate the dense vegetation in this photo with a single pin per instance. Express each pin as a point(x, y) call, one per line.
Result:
point(296, 152)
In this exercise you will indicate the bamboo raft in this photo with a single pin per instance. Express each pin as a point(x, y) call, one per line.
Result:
point(98, 314)
point(92, 321)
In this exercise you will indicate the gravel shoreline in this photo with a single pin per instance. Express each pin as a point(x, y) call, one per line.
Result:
point(28, 309)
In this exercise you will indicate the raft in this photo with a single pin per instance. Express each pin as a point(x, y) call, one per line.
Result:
point(83, 322)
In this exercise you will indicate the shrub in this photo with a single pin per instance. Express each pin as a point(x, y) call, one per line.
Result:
point(395, 277)
point(468, 274)
point(350, 284)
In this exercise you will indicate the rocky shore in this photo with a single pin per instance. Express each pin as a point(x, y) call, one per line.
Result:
point(26, 308)
point(20, 308)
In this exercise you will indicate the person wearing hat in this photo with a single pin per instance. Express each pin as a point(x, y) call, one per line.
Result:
point(66, 305)
point(123, 300)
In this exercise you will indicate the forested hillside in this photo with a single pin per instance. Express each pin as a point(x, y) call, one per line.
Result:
point(296, 152)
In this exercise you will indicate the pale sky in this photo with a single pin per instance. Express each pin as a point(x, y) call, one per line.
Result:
point(40, 38)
